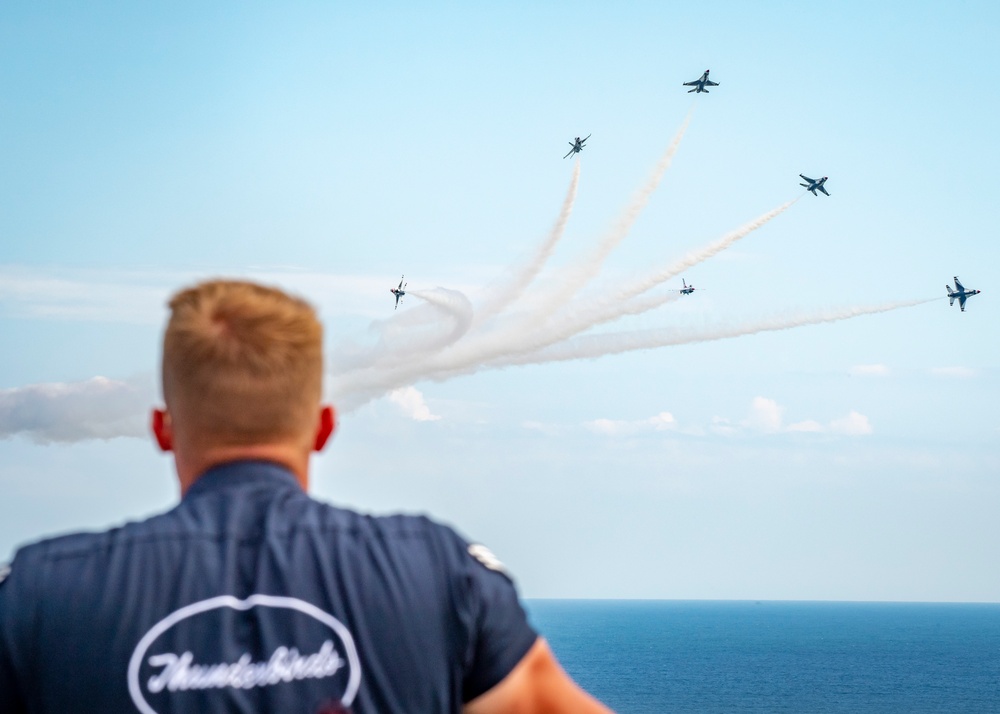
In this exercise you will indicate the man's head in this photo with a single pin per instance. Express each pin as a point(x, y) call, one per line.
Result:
point(242, 369)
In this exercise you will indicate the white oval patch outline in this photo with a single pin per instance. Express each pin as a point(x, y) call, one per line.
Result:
point(276, 601)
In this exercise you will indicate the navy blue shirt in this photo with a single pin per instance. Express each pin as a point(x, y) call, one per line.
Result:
point(250, 596)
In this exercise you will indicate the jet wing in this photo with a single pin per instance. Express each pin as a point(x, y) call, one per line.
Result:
point(961, 302)
point(807, 178)
point(823, 190)
point(958, 285)
point(691, 84)
point(570, 152)
point(710, 83)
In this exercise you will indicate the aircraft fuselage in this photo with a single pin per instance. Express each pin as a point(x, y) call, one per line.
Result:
point(700, 84)
point(960, 293)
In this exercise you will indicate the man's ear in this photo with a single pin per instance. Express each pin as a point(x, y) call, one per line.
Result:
point(162, 429)
point(324, 427)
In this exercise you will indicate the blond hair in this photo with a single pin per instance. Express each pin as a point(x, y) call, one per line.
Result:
point(242, 363)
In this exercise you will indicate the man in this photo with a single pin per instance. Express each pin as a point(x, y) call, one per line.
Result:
point(249, 596)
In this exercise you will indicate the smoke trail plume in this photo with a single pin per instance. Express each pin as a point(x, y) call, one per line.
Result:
point(519, 333)
point(592, 346)
point(620, 303)
point(615, 343)
point(533, 334)
point(445, 318)
point(550, 326)
point(510, 292)
point(445, 336)
point(578, 276)
point(699, 256)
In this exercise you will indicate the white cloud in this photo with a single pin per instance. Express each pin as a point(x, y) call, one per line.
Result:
point(960, 372)
point(869, 370)
point(411, 403)
point(604, 426)
point(765, 416)
point(722, 426)
point(98, 408)
point(664, 421)
point(854, 424)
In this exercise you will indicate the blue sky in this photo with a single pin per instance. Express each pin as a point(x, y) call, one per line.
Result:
point(330, 148)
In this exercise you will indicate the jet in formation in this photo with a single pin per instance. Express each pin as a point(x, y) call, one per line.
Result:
point(959, 292)
point(814, 185)
point(687, 289)
point(577, 145)
point(700, 84)
point(399, 291)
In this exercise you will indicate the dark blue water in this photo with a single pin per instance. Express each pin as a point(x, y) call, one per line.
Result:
point(718, 656)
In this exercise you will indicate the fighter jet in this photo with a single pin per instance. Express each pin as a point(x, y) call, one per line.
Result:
point(814, 185)
point(400, 291)
point(687, 289)
point(700, 84)
point(959, 292)
point(577, 145)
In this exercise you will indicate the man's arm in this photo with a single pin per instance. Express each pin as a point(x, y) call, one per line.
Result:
point(10, 687)
point(537, 685)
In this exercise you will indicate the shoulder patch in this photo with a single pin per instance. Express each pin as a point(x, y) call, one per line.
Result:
point(485, 556)
point(4, 572)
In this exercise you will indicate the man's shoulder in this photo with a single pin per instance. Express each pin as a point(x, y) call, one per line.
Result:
point(404, 530)
point(83, 543)
point(34, 561)
point(391, 526)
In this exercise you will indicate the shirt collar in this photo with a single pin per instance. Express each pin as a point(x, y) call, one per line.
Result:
point(243, 475)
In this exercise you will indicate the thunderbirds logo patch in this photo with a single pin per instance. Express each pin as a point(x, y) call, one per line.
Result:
point(210, 646)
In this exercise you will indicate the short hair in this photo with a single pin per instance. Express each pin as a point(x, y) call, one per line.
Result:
point(242, 363)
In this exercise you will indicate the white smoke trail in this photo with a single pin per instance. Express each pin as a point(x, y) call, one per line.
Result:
point(444, 337)
point(413, 333)
point(699, 256)
point(558, 330)
point(506, 336)
point(455, 304)
point(484, 350)
point(537, 330)
point(484, 353)
point(523, 337)
point(548, 328)
point(610, 307)
point(578, 276)
point(592, 346)
point(510, 292)
point(615, 343)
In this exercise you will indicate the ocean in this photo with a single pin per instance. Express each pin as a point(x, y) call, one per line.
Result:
point(662, 656)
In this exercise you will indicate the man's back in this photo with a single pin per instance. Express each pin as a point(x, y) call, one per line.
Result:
point(250, 596)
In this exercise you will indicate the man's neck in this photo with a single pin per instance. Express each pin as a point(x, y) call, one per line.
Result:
point(191, 464)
